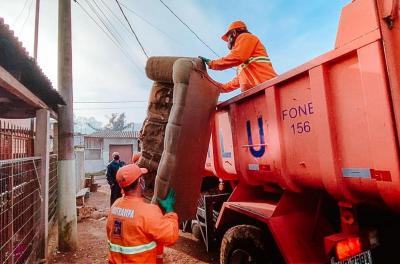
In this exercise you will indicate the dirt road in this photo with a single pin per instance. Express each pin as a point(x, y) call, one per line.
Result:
point(93, 246)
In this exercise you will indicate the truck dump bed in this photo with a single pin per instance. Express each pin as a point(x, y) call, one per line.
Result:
point(329, 124)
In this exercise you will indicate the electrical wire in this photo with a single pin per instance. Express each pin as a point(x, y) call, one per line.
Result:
point(101, 28)
point(111, 28)
point(124, 24)
point(27, 17)
point(113, 34)
point(130, 26)
point(191, 30)
point(110, 37)
point(149, 23)
point(109, 22)
point(117, 18)
point(109, 108)
point(20, 13)
point(109, 102)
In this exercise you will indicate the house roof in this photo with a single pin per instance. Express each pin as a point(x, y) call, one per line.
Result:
point(15, 59)
point(114, 134)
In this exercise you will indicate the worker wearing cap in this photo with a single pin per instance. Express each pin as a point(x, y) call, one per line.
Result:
point(112, 169)
point(248, 54)
point(137, 230)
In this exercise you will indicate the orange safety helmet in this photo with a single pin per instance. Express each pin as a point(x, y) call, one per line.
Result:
point(234, 25)
point(129, 174)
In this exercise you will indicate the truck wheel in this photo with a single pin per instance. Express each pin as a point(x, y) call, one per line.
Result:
point(244, 244)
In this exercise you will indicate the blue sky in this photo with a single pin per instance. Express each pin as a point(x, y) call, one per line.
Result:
point(293, 31)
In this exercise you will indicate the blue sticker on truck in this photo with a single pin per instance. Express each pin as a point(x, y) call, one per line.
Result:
point(254, 167)
point(357, 173)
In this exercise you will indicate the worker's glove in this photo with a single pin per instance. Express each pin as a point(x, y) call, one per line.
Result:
point(169, 201)
point(205, 60)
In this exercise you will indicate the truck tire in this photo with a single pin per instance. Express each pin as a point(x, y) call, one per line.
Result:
point(244, 244)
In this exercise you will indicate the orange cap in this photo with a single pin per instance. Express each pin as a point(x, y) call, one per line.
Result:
point(128, 174)
point(232, 26)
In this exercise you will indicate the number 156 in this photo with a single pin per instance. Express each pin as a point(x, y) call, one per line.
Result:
point(301, 127)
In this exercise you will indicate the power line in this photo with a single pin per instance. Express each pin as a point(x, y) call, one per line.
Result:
point(109, 102)
point(111, 28)
point(109, 22)
point(117, 18)
point(124, 24)
point(27, 17)
point(191, 30)
point(110, 108)
point(20, 13)
point(109, 37)
point(103, 22)
point(149, 23)
point(137, 39)
point(101, 28)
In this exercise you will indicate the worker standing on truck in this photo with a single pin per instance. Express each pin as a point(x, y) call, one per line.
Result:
point(248, 54)
point(136, 230)
point(112, 169)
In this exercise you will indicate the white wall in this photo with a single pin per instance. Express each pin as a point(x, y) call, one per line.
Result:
point(79, 169)
point(94, 166)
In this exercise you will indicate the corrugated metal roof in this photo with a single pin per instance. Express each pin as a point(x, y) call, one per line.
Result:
point(16, 60)
point(114, 134)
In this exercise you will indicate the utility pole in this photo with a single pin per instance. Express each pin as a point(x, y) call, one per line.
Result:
point(67, 226)
point(35, 45)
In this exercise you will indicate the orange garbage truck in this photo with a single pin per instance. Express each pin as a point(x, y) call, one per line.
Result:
point(304, 168)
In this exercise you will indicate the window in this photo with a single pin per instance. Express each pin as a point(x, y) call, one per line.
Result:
point(93, 154)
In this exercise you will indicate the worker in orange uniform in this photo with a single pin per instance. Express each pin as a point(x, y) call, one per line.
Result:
point(137, 230)
point(248, 54)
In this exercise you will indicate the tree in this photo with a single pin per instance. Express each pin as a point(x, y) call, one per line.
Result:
point(117, 122)
point(87, 125)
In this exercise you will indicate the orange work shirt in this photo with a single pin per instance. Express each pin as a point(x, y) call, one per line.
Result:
point(251, 58)
point(136, 229)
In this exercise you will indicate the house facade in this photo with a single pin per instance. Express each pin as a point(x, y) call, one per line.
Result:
point(99, 147)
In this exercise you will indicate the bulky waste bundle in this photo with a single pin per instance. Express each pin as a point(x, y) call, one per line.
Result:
point(177, 129)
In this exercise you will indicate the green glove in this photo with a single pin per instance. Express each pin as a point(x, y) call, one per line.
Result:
point(205, 60)
point(169, 201)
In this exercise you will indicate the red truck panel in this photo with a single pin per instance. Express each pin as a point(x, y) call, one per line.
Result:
point(223, 144)
point(328, 124)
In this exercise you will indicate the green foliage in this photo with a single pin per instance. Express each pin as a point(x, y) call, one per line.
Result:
point(117, 122)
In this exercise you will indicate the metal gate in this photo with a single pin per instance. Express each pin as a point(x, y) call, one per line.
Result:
point(125, 152)
point(20, 203)
point(20, 196)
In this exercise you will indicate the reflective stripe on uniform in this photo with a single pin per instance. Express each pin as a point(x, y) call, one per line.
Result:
point(253, 59)
point(131, 250)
